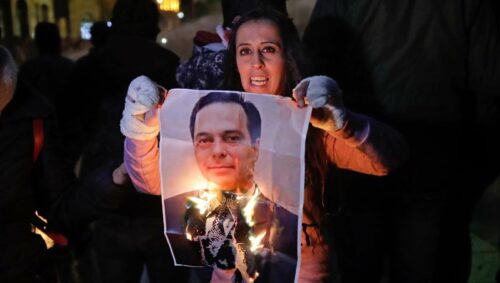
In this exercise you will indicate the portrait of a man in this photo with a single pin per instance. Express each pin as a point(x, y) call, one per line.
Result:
point(230, 224)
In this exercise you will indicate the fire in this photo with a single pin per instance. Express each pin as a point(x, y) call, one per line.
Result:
point(202, 203)
point(208, 199)
point(249, 209)
point(255, 244)
point(248, 212)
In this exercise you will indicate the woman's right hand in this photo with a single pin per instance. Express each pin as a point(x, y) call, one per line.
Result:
point(120, 175)
point(140, 115)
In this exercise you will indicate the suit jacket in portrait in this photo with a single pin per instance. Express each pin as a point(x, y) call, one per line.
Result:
point(275, 261)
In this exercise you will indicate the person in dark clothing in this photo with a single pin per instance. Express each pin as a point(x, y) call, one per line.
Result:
point(35, 177)
point(49, 71)
point(432, 71)
point(99, 33)
point(73, 135)
point(125, 241)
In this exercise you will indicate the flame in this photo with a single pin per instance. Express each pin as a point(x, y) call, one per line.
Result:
point(255, 244)
point(249, 208)
point(41, 217)
point(49, 243)
point(248, 212)
point(202, 202)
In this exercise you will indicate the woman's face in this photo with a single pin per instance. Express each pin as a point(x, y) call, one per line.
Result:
point(260, 58)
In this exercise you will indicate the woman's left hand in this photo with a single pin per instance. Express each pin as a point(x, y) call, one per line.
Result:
point(325, 97)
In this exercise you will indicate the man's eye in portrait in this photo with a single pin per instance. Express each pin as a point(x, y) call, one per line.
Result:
point(233, 137)
point(204, 141)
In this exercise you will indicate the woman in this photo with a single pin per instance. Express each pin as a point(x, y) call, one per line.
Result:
point(263, 57)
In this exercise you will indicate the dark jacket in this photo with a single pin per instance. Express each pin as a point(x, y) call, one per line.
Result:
point(99, 84)
point(48, 73)
point(46, 185)
point(429, 69)
point(279, 224)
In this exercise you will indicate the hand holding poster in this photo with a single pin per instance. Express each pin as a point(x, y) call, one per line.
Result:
point(232, 175)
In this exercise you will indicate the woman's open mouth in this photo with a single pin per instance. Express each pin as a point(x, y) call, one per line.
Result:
point(258, 81)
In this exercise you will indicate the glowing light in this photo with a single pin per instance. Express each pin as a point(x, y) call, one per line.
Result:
point(85, 30)
point(41, 217)
point(203, 186)
point(49, 243)
point(202, 203)
point(255, 244)
point(255, 277)
point(169, 5)
point(189, 237)
point(163, 40)
point(180, 15)
point(109, 24)
point(249, 208)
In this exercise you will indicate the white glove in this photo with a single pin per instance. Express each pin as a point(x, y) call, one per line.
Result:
point(325, 97)
point(142, 96)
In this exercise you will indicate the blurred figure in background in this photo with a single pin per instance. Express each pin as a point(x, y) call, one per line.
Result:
point(99, 33)
point(35, 177)
point(49, 71)
point(126, 241)
point(431, 71)
point(72, 130)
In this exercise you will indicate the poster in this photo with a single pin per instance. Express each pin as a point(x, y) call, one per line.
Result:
point(232, 182)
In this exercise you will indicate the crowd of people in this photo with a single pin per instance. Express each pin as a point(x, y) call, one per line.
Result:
point(402, 95)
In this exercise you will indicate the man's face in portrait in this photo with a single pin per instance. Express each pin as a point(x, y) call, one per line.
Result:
point(223, 147)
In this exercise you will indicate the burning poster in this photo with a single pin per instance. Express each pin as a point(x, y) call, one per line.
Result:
point(232, 177)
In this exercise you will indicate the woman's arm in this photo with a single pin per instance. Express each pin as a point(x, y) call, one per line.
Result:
point(141, 158)
point(352, 141)
point(140, 126)
point(366, 145)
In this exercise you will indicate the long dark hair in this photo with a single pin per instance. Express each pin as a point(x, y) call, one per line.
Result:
point(316, 160)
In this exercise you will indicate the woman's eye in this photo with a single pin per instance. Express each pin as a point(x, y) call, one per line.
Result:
point(268, 49)
point(244, 51)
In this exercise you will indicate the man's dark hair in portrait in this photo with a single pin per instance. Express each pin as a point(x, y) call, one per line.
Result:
point(253, 117)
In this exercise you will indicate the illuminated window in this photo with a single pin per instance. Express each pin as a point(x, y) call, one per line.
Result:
point(169, 5)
